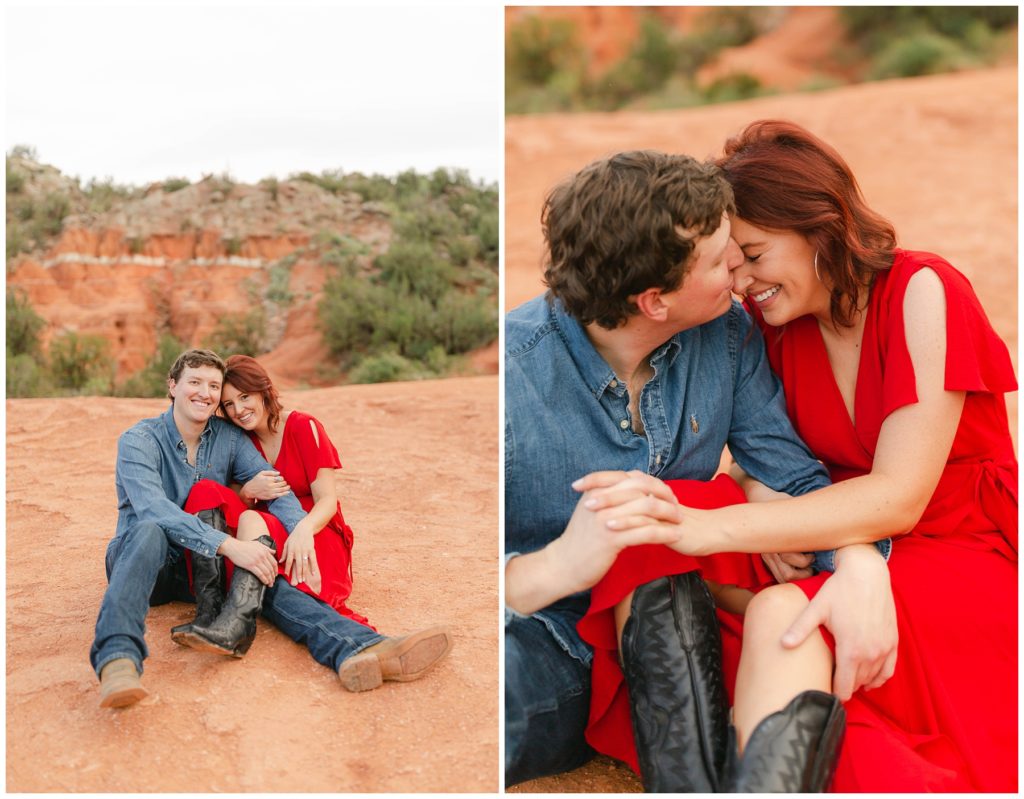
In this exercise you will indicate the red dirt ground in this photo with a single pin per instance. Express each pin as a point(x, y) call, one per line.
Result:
point(419, 487)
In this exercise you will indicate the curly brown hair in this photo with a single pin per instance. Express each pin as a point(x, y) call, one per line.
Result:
point(786, 178)
point(625, 224)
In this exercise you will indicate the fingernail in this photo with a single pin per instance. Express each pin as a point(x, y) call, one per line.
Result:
point(590, 503)
point(789, 638)
point(577, 483)
point(613, 523)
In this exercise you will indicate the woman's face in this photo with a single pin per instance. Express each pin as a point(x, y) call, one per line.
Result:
point(777, 273)
point(245, 410)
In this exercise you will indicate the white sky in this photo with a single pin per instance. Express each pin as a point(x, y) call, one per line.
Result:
point(143, 92)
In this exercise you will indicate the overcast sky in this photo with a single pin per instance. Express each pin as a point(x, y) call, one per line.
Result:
point(145, 92)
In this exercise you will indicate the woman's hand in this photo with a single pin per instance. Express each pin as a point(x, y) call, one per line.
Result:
point(645, 505)
point(788, 566)
point(267, 485)
point(299, 557)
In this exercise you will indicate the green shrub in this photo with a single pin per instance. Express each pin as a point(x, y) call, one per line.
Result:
point(151, 379)
point(648, 65)
point(413, 267)
point(176, 184)
point(384, 368)
point(729, 88)
point(240, 334)
point(16, 241)
point(538, 48)
point(48, 219)
point(102, 195)
point(27, 376)
point(923, 53)
point(279, 277)
point(77, 360)
point(466, 322)
point(23, 325)
point(15, 180)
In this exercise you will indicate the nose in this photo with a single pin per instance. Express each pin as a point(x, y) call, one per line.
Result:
point(741, 277)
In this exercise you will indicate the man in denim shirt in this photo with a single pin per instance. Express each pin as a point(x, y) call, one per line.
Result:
point(158, 462)
point(638, 358)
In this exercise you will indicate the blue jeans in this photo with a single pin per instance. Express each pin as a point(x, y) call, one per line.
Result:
point(547, 702)
point(143, 569)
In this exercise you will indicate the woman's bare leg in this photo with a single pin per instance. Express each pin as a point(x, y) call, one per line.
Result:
point(770, 676)
point(251, 526)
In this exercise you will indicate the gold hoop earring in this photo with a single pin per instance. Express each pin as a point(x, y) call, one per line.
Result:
point(816, 273)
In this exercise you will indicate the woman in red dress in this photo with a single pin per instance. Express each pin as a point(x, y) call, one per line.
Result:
point(896, 380)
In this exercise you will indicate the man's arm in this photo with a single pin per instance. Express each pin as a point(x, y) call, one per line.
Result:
point(138, 472)
point(246, 464)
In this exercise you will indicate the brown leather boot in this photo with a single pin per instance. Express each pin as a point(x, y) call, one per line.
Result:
point(120, 685)
point(402, 659)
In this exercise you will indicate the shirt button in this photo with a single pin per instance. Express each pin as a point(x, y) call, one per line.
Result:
point(613, 384)
point(657, 461)
point(624, 424)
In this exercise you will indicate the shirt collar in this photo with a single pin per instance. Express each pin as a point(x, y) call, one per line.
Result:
point(174, 435)
point(596, 372)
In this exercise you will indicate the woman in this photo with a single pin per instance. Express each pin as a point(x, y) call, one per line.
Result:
point(317, 556)
point(895, 379)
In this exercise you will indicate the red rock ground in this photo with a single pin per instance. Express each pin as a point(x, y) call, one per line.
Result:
point(936, 155)
point(419, 486)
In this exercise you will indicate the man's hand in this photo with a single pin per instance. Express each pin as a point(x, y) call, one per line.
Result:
point(857, 607)
point(267, 485)
point(252, 556)
point(574, 561)
point(788, 566)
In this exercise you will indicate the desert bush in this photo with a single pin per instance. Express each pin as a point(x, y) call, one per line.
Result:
point(924, 53)
point(27, 377)
point(545, 66)
point(279, 277)
point(102, 195)
point(15, 180)
point(465, 322)
point(412, 267)
point(23, 325)
point(729, 88)
point(79, 360)
point(653, 57)
point(16, 241)
point(240, 333)
point(175, 184)
point(48, 218)
point(151, 379)
point(384, 368)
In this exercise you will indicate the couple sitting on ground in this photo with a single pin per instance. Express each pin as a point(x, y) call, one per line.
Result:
point(638, 362)
point(278, 545)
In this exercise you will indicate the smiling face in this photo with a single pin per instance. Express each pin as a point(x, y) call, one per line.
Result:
point(705, 292)
point(196, 394)
point(247, 410)
point(777, 273)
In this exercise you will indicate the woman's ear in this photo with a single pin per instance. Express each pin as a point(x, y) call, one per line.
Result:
point(651, 304)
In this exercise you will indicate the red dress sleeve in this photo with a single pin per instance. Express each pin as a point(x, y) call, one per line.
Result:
point(977, 360)
point(316, 452)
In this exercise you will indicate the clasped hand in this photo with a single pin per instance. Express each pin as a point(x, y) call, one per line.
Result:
point(267, 485)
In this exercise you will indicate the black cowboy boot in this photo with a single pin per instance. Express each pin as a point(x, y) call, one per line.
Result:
point(233, 631)
point(795, 749)
point(207, 580)
point(672, 659)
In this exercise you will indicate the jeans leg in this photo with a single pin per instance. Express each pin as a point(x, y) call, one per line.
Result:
point(134, 561)
point(329, 636)
point(547, 703)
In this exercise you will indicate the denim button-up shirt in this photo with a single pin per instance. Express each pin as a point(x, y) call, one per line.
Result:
point(153, 478)
point(567, 414)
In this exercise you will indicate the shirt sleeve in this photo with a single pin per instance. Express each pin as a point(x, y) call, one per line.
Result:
point(138, 473)
point(825, 560)
point(247, 463)
point(761, 437)
point(317, 451)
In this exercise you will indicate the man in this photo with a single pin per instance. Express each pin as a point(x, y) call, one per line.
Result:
point(158, 462)
point(638, 358)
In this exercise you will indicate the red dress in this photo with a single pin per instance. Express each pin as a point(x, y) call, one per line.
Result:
point(299, 461)
point(947, 719)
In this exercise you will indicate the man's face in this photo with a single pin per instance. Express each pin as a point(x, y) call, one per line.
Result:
point(705, 293)
point(197, 393)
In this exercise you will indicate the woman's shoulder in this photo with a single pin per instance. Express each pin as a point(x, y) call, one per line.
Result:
point(892, 284)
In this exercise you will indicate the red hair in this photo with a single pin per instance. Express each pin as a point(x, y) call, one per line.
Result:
point(246, 374)
point(786, 178)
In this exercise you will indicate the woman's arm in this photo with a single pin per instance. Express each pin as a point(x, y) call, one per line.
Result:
point(912, 450)
point(299, 550)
